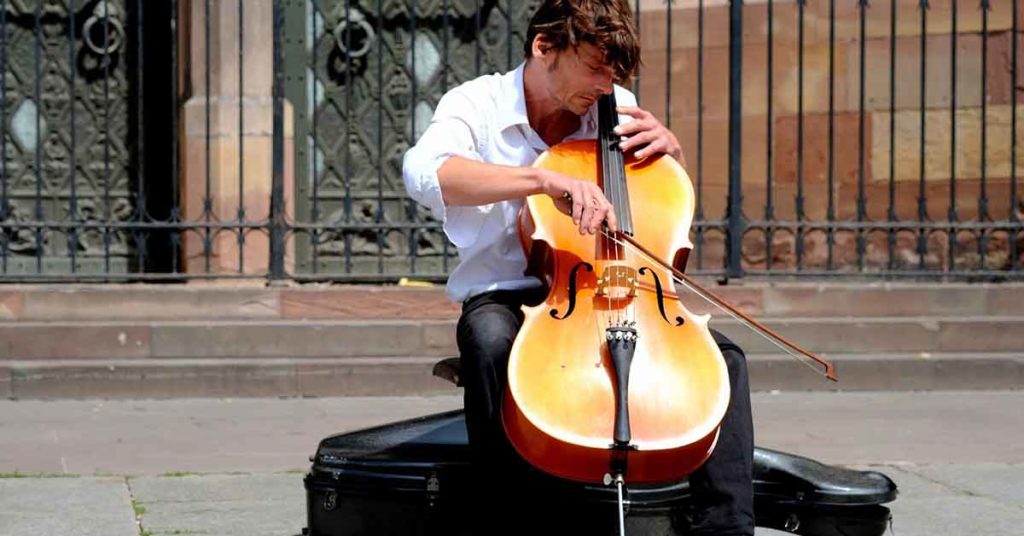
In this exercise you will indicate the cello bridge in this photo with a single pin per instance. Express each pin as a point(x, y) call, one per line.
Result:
point(617, 282)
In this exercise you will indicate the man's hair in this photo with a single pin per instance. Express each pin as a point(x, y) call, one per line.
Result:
point(606, 24)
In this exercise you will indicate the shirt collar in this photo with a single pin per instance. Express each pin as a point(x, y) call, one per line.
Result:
point(513, 112)
point(513, 109)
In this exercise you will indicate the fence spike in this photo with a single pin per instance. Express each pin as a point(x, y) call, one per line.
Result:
point(986, 5)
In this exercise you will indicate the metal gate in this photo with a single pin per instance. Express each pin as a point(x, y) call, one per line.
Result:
point(824, 137)
point(373, 72)
point(67, 117)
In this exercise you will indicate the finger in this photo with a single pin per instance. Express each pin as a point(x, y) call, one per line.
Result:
point(587, 212)
point(564, 205)
point(633, 111)
point(637, 125)
point(590, 216)
point(639, 140)
point(609, 216)
point(598, 215)
point(613, 222)
point(656, 147)
point(605, 214)
point(578, 204)
point(594, 201)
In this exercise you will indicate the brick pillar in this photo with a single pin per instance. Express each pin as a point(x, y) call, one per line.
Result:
point(223, 101)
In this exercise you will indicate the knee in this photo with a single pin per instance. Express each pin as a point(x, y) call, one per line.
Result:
point(485, 339)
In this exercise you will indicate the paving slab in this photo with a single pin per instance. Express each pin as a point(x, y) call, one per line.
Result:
point(963, 427)
point(927, 507)
point(273, 505)
point(1000, 482)
point(235, 466)
point(87, 506)
point(5, 381)
point(230, 505)
point(225, 505)
point(152, 437)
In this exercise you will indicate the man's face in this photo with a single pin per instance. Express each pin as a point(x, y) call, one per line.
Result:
point(577, 77)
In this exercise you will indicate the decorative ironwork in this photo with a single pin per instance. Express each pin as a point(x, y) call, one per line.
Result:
point(364, 110)
point(67, 156)
point(80, 193)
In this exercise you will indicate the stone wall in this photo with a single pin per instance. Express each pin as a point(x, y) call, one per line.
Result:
point(951, 170)
point(234, 185)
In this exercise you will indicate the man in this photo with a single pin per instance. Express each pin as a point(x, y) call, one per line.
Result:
point(472, 169)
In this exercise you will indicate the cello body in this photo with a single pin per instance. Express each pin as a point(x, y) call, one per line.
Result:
point(566, 396)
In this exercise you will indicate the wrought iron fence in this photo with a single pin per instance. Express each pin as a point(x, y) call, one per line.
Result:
point(142, 140)
point(371, 75)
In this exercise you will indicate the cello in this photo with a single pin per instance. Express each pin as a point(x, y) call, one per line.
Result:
point(611, 377)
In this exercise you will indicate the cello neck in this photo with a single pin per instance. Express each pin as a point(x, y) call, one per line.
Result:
point(612, 165)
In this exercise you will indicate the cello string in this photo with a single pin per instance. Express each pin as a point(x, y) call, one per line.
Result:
point(607, 179)
point(800, 357)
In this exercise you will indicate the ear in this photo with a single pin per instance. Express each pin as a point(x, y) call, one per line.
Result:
point(541, 47)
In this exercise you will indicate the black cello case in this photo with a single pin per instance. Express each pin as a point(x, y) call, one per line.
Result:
point(413, 478)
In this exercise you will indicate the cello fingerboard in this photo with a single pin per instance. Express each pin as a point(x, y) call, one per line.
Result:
point(612, 169)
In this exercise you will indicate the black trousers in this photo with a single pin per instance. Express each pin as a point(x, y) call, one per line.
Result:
point(721, 489)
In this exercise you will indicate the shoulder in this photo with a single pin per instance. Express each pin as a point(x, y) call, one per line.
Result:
point(477, 95)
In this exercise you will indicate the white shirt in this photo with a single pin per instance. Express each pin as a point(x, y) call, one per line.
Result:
point(484, 120)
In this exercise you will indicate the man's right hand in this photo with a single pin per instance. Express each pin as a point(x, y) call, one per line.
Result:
point(582, 200)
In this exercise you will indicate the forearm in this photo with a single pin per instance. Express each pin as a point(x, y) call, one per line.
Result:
point(469, 182)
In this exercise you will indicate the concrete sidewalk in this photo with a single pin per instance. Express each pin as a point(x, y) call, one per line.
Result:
point(235, 466)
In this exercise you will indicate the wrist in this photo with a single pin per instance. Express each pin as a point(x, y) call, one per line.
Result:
point(540, 180)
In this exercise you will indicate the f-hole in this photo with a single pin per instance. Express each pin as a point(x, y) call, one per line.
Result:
point(572, 291)
point(661, 296)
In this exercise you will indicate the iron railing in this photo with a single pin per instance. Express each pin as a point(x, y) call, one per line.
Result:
point(824, 137)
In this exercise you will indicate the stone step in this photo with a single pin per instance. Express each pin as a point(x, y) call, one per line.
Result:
point(216, 377)
point(409, 376)
point(836, 335)
point(39, 303)
point(218, 339)
point(427, 338)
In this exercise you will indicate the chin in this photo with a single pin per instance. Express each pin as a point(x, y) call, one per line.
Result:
point(582, 109)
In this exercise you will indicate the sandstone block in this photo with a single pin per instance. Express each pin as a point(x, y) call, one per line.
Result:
point(681, 80)
point(11, 304)
point(148, 302)
point(938, 144)
point(1001, 83)
point(239, 181)
point(938, 60)
point(74, 341)
point(367, 303)
point(785, 21)
point(814, 155)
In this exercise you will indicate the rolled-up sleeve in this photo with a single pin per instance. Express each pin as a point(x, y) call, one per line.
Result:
point(452, 132)
point(624, 97)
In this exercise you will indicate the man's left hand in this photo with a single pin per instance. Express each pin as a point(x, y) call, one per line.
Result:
point(647, 136)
